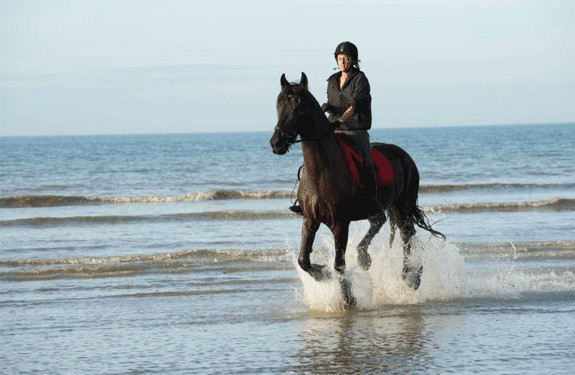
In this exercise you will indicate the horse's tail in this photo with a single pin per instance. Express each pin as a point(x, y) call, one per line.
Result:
point(416, 213)
point(408, 198)
point(421, 220)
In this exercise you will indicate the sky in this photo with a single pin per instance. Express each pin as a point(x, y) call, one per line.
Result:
point(78, 67)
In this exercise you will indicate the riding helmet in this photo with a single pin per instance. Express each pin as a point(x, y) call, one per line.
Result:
point(348, 48)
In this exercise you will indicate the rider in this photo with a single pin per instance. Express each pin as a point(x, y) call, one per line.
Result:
point(349, 108)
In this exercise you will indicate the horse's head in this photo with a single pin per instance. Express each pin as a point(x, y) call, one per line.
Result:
point(292, 114)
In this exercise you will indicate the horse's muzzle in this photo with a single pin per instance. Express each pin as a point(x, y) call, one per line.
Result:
point(279, 145)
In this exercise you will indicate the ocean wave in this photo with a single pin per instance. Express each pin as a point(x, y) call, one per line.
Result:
point(228, 261)
point(21, 201)
point(25, 201)
point(186, 261)
point(119, 219)
point(492, 186)
point(557, 204)
point(557, 250)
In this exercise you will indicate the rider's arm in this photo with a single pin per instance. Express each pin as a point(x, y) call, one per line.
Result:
point(348, 114)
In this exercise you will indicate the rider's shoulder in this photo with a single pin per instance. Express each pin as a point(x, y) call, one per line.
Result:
point(334, 77)
point(357, 75)
point(360, 74)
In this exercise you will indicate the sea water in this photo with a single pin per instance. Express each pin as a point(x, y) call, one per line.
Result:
point(176, 254)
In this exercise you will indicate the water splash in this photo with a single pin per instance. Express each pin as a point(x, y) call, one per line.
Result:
point(447, 275)
point(442, 279)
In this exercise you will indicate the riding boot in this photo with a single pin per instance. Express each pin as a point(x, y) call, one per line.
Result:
point(370, 182)
point(296, 209)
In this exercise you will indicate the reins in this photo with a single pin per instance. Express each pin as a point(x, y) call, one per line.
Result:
point(314, 140)
point(292, 139)
point(295, 185)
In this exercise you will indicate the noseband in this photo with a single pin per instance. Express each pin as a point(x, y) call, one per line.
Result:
point(289, 137)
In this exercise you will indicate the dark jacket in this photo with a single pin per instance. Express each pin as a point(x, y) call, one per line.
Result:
point(356, 92)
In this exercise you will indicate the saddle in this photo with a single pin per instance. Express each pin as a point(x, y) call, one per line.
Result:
point(383, 168)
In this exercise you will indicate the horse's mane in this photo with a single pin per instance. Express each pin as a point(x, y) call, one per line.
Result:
point(313, 101)
point(302, 91)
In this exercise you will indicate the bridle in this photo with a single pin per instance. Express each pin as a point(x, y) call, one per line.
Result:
point(291, 136)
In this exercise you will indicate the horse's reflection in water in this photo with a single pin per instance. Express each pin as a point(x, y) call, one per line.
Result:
point(327, 194)
point(362, 342)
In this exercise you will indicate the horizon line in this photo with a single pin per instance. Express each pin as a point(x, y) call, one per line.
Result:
point(271, 129)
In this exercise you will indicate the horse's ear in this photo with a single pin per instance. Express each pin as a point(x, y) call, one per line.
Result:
point(303, 80)
point(284, 81)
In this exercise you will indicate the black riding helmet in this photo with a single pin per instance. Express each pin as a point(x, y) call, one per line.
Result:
point(348, 48)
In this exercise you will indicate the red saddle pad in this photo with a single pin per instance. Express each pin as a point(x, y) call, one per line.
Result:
point(383, 167)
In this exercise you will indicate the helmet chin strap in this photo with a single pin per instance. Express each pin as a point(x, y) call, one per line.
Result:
point(346, 71)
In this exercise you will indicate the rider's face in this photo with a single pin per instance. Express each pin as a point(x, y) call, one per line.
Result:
point(344, 62)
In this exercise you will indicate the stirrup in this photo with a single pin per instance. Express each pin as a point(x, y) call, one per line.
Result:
point(296, 209)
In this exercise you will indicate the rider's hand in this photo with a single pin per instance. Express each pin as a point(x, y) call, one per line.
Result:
point(335, 124)
point(326, 107)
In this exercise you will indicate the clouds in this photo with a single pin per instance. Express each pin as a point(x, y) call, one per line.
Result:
point(98, 66)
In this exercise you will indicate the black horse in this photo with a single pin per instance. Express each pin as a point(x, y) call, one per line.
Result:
point(327, 193)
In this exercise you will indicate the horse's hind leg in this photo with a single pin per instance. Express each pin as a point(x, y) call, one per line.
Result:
point(363, 257)
point(412, 275)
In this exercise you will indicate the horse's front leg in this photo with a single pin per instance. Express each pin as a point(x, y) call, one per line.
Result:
point(309, 229)
point(340, 236)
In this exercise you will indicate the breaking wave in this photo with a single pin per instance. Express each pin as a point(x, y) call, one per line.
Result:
point(28, 201)
point(491, 186)
point(557, 204)
point(118, 219)
point(181, 262)
point(230, 261)
point(21, 201)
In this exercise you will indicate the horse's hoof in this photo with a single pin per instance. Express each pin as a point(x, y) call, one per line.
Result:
point(412, 276)
point(319, 272)
point(349, 301)
point(364, 260)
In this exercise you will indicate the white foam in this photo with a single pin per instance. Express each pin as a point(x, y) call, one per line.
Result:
point(446, 275)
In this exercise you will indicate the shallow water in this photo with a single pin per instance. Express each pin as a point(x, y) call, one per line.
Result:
point(479, 309)
point(153, 254)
